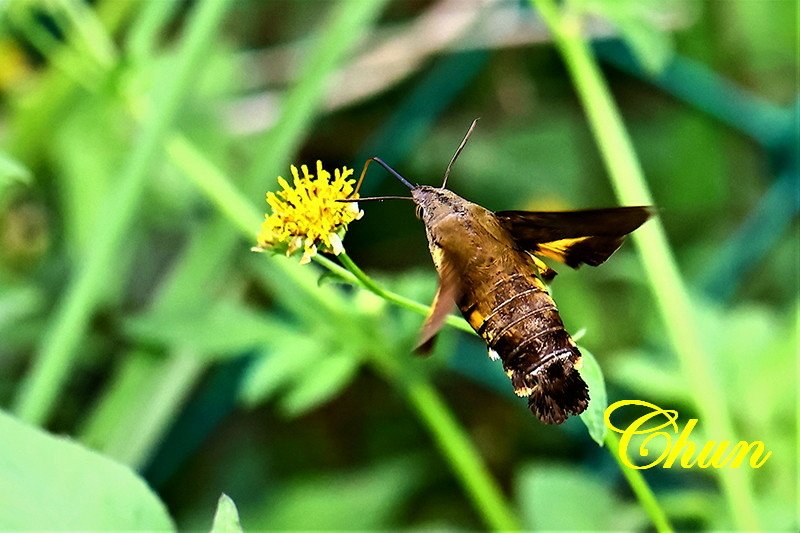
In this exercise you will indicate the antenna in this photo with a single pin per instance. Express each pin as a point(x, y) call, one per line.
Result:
point(458, 152)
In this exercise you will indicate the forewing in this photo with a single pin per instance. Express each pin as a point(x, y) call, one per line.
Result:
point(573, 237)
point(446, 296)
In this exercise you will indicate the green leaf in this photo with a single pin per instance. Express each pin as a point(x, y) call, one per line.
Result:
point(565, 498)
point(226, 519)
point(49, 483)
point(320, 383)
point(89, 146)
point(698, 505)
point(593, 416)
point(280, 366)
point(227, 329)
point(12, 171)
point(19, 302)
point(639, 371)
point(366, 499)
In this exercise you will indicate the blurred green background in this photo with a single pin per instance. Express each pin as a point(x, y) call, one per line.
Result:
point(134, 318)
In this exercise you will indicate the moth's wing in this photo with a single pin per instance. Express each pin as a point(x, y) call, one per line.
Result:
point(545, 272)
point(449, 291)
point(589, 236)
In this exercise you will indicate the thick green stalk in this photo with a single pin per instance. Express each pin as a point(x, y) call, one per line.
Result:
point(237, 209)
point(174, 384)
point(90, 37)
point(665, 281)
point(639, 487)
point(164, 389)
point(50, 98)
point(215, 185)
point(60, 343)
point(450, 437)
point(458, 449)
point(348, 21)
point(147, 29)
point(464, 458)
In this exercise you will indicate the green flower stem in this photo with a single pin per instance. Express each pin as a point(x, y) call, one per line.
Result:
point(51, 97)
point(337, 269)
point(130, 435)
point(76, 67)
point(402, 301)
point(216, 186)
point(668, 288)
point(464, 458)
point(348, 21)
point(91, 37)
point(60, 343)
point(639, 487)
point(219, 189)
point(145, 31)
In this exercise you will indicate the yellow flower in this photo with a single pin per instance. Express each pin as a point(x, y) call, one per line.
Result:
point(307, 215)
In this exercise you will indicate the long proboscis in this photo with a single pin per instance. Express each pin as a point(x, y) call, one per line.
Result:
point(389, 169)
point(375, 198)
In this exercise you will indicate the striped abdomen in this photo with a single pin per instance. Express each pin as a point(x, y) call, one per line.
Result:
point(519, 321)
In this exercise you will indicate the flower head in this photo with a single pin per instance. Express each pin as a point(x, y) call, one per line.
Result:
point(307, 214)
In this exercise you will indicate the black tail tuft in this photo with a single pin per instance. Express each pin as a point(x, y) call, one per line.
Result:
point(559, 392)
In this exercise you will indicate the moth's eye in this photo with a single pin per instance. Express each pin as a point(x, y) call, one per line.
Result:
point(419, 212)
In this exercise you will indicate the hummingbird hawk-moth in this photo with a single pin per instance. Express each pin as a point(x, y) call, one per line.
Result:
point(489, 266)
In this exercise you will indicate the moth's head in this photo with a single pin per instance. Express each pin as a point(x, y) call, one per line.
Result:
point(434, 203)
